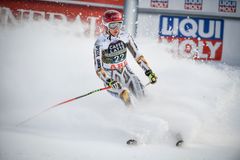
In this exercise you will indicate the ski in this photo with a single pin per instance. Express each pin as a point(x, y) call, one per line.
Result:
point(132, 142)
point(177, 136)
point(180, 140)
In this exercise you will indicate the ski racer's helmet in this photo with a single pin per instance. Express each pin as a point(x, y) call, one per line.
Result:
point(112, 19)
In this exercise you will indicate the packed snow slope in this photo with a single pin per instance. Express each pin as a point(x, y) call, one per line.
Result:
point(42, 64)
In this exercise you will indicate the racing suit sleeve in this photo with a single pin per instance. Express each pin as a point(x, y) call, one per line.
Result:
point(98, 62)
point(131, 45)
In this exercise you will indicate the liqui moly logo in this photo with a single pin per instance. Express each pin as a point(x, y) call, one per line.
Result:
point(159, 3)
point(193, 4)
point(199, 38)
point(227, 6)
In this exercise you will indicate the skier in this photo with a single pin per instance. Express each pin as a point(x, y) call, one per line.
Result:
point(110, 52)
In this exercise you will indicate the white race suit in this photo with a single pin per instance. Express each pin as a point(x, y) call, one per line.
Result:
point(110, 54)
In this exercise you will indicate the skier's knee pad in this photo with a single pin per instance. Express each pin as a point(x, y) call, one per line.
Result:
point(125, 97)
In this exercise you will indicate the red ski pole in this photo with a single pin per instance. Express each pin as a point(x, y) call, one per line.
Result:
point(61, 103)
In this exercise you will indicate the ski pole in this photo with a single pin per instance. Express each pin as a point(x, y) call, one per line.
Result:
point(61, 103)
point(147, 84)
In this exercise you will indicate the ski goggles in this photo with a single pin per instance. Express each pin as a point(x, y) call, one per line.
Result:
point(115, 25)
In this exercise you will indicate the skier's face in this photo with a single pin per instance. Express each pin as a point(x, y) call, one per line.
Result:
point(115, 27)
point(114, 32)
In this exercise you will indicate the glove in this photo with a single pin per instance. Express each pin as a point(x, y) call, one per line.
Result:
point(152, 77)
point(114, 84)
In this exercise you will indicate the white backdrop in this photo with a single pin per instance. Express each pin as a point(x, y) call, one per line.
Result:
point(210, 6)
point(231, 47)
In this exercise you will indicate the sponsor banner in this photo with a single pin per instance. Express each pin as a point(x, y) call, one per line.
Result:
point(159, 3)
point(111, 2)
point(88, 16)
point(227, 6)
point(193, 4)
point(198, 38)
